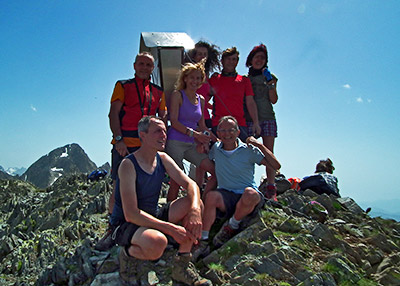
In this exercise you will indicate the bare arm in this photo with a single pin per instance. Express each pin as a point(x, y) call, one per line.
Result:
point(193, 221)
point(115, 125)
point(127, 176)
point(272, 93)
point(269, 158)
point(252, 108)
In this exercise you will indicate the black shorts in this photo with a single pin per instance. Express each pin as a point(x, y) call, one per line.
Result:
point(122, 234)
point(116, 159)
point(230, 201)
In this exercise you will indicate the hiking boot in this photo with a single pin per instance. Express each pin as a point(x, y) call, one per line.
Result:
point(185, 272)
point(200, 250)
point(128, 268)
point(106, 242)
point(270, 193)
point(224, 234)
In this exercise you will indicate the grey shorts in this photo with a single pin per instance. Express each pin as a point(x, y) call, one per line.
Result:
point(179, 150)
point(122, 234)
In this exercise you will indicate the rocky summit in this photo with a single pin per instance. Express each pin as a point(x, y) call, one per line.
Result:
point(47, 237)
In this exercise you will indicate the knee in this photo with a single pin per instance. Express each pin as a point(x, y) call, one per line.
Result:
point(156, 246)
point(251, 196)
point(212, 199)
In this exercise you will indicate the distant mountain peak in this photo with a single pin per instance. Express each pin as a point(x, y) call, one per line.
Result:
point(65, 160)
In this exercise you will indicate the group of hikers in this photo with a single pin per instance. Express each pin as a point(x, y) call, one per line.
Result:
point(224, 145)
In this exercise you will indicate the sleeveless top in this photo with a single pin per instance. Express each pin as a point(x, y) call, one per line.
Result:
point(265, 109)
point(189, 115)
point(148, 188)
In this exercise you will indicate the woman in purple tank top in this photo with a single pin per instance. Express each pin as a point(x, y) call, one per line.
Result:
point(187, 124)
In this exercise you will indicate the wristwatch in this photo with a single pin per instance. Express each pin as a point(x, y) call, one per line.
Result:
point(118, 138)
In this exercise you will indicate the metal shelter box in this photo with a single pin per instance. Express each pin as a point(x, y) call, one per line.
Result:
point(168, 51)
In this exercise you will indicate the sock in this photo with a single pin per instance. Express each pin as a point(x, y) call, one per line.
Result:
point(234, 223)
point(204, 235)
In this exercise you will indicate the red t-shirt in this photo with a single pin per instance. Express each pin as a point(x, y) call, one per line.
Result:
point(229, 97)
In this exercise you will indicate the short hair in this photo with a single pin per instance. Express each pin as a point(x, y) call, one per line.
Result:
point(325, 166)
point(144, 123)
point(230, 52)
point(144, 54)
point(260, 48)
point(212, 62)
point(186, 70)
point(227, 118)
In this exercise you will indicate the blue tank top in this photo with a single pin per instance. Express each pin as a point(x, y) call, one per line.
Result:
point(189, 115)
point(148, 187)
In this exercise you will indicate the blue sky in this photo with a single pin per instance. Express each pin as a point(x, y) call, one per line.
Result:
point(337, 64)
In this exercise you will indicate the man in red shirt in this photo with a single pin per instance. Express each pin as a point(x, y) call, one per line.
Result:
point(131, 100)
point(231, 91)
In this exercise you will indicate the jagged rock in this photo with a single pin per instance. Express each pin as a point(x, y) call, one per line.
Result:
point(342, 271)
point(351, 205)
point(390, 276)
point(379, 240)
point(325, 236)
point(281, 246)
point(320, 279)
point(110, 279)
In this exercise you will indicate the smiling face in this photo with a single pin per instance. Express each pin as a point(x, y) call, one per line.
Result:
point(201, 53)
point(228, 132)
point(156, 136)
point(193, 80)
point(143, 66)
point(258, 61)
point(229, 63)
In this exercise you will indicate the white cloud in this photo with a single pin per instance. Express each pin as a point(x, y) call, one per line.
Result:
point(359, 99)
point(33, 108)
point(301, 9)
point(346, 86)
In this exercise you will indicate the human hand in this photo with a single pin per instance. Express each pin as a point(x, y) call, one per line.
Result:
point(121, 148)
point(252, 141)
point(181, 234)
point(256, 129)
point(201, 137)
point(193, 222)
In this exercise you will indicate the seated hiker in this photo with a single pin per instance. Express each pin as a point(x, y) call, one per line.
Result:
point(323, 181)
point(141, 227)
point(237, 194)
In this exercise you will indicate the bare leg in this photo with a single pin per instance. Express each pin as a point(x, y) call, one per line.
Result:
point(247, 203)
point(213, 201)
point(209, 166)
point(173, 191)
point(268, 142)
point(111, 200)
point(147, 244)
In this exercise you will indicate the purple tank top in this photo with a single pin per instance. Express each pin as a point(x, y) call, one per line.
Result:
point(189, 115)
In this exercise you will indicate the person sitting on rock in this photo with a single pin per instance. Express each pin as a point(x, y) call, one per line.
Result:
point(141, 227)
point(323, 181)
point(237, 195)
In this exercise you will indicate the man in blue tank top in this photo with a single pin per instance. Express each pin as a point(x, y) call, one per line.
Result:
point(140, 226)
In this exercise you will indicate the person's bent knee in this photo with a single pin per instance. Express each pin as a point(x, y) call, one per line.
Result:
point(251, 196)
point(157, 244)
point(213, 198)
